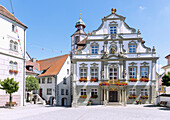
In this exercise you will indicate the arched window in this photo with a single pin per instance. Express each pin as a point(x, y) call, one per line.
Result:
point(94, 48)
point(11, 44)
point(132, 47)
point(10, 65)
point(15, 66)
point(15, 46)
point(76, 39)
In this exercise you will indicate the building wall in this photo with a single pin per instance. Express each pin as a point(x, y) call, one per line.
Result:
point(7, 55)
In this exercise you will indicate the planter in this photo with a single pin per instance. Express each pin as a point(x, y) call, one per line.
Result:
point(144, 79)
point(144, 97)
point(83, 96)
point(132, 96)
point(83, 79)
point(94, 96)
point(11, 71)
point(94, 80)
point(89, 102)
point(104, 84)
point(133, 80)
point(121, 84)
point(138, 102)
point(16, 71)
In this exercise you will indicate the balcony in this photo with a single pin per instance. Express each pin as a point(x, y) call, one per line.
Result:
point(113, 81)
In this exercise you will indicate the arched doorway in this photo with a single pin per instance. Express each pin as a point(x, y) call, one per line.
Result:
point(113, 95)
point(64, 101)
point(51, 100)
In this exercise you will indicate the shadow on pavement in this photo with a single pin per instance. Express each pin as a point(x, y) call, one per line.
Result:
point(167, 109)
point(151, 106)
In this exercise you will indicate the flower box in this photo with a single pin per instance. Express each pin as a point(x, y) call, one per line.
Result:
point(83, 96)
point(138, 102)
point(16, 71)
point(132, 96)
point(144, 97)
point(144, 79)
point(121, 84)
point(94, 96)
point(104, 84)
point(132, 80)
point(11, 71)
point(89, 102)
point(94, 80)
point(83, 79)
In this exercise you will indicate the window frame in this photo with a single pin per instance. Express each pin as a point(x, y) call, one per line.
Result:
point(135, 71)
point(66, 91)
point(147, 71)
point(95, 72)
point(83, 92)
point(15, 66)
point(11, 65)
point(96, 49)
point(94, 91)
point(132, 91)
point(48, 80)
point(84, 72)
point(64, 80)
point(48, 91)
point(113, 72)
point(43, 80)
point(144, 92)
point(62, 91)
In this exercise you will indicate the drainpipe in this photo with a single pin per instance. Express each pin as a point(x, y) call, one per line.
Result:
point(24, 69)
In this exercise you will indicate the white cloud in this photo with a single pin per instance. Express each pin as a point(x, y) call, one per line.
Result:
point(141, 8)
point(158, 68)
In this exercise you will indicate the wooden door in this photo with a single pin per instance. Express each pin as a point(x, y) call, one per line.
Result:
point(40, 92)
point(113, 96)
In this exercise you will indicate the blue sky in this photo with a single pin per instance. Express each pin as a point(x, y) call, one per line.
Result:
point(51, 23)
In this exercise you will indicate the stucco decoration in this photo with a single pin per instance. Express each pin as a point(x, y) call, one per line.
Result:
point(102, 74)
point(113, 65)
point(105, 55)
point(113, 49)
point(83, 65)
point(121, 55)
point(144, 63)
point(94, 65)
point(132, 42)
point(124, 73)
point(132, 63)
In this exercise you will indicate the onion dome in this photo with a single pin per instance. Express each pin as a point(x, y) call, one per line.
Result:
point(80, 23)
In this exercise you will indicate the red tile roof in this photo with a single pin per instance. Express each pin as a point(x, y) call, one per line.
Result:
point(6, 13)
point(79, 32)
point(167, 56)
point(36, 66)
point(52, 65)
point(82, 42)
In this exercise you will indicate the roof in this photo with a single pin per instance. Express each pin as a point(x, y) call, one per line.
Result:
point(167, 56)
point(82, 42)
point(80, 22)
point(36, 67)
point(6, 13)
point(79, 32)
point(52, 66)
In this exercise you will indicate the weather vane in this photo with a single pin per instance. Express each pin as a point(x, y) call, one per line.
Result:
point(113, 11)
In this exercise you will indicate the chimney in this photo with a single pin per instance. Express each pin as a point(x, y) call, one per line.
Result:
point(34, 60)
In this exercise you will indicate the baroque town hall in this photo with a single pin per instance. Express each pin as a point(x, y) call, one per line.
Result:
point(112, 65)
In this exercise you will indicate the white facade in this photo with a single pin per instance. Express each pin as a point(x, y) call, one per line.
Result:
point(12, 54)
point(113, 46)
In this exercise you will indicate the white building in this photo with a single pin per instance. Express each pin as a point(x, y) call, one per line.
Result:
point(12, 54)
point(111, 65)
point(54, 80)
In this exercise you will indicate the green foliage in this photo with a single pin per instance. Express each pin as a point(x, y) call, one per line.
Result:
point(9, 85)
point(166, 79)
point(31, 83)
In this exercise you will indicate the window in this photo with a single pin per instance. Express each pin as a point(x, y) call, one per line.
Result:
point(94, 72)
point(39, 81)
point(132, 72)
point(132, 92)
point(49, 80)
point(49, 91)
point(13, 28)
point(93, 92)
point(83, 91)
point(67, 62)
point(113, 30)
point(113, 73)
point(15, 46)
point(62, 91)
point(66, 91)
point(132, 48)
point(11, 65)
point(43, 80)
point(64, 81)
point(83, 72)
point(11, 45)
point(77, 39)
point(15, 66)
point(67, 71)
point(144, 92)
point(95, 49)
point(144, 72)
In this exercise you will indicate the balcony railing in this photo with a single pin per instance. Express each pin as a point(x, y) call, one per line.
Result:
point(113, 81)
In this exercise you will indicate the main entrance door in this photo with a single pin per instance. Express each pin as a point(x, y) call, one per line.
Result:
point(113, 96)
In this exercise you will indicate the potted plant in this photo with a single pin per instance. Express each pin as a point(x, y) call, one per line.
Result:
point(15, 71)
point(83, 79)
point(94, 96)
point(132, 79)
point(144, 97)
point(121, 84)
point(11, 71)
point(138, 102)
point(89, 102)
point(94, 80)
point(104, 84)
point(83, 96)
point(144, 79)
point(132, 96)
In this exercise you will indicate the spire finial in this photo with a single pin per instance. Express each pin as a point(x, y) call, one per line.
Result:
point(80, 14)
point(113, 11)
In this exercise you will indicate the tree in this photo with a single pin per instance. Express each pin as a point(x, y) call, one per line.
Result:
point(10, 86)
point(166, 79)
point(31, 84)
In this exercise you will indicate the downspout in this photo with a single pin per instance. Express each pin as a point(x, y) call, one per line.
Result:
point(24, 69)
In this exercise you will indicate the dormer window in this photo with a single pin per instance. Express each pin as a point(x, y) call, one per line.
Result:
point(113, 30)
point(94, 48)
point(132, 47)
point(29, 68)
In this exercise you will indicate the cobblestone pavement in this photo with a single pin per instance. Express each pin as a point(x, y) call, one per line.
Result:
point(130, 112)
